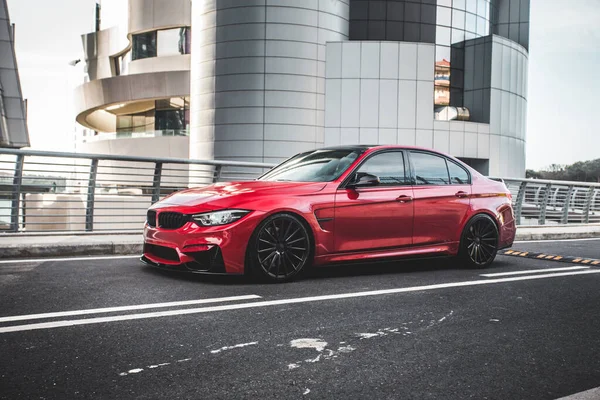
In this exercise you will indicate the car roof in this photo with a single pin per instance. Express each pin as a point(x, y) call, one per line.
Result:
point(364, 147)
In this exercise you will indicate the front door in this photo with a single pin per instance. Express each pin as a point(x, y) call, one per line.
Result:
point(380, 216)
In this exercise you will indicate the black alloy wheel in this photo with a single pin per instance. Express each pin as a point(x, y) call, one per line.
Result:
point(282, 248)
point(479, 243)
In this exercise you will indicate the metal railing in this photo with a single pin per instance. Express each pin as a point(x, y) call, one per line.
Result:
point(44, 191)
point(543, 202)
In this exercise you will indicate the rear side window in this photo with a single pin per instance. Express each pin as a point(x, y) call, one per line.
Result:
point(430, 169)
point(389, 167)
point(458, 175)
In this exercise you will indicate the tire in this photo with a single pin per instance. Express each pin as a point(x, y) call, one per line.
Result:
point(479, 242)
point(280, 248)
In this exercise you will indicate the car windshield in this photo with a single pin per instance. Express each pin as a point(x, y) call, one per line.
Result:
point(315, 166)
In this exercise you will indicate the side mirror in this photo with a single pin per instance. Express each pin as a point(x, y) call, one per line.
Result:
point(362, 179)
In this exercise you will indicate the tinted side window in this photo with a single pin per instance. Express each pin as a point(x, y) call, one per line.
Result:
point(430, 169)
point(458, 176)
point(389, 167)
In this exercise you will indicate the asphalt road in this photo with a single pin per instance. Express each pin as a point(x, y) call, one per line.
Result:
point(418, 330)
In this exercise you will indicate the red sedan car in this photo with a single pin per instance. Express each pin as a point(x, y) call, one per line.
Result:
point(334, 205)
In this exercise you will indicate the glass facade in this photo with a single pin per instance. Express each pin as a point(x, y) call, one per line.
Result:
point(457, 21)
point(161, 43)
point(168, 115)
point(409, 21)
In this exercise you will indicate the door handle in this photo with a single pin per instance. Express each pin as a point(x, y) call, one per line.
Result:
point(461, 194)
point(404, 199)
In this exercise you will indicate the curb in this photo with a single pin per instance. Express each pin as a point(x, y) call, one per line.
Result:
point(62, 250)
point(133, 247)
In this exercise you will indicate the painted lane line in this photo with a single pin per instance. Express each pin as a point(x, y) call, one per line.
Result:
point(126, 308)
point(257, 304)
point(40, 260)
point(533, 271)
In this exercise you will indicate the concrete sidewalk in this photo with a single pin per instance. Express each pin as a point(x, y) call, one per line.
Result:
point(64, 245)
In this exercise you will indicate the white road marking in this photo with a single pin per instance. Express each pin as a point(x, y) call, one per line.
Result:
point(533, 271)
point(237, 346)
point(556, 240)
point(257, 304)
point(39, 260)
point(316, 344)
point(126, 308)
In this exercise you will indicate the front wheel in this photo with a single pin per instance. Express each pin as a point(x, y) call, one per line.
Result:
point(280, 248)
point(479, 242)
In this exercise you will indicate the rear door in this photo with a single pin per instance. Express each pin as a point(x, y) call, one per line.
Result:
point(377, 217)
point(442, 195)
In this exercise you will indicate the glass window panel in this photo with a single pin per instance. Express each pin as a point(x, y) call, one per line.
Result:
point(170, 120)
point(412, 12)
point(144, 45)
point(458, 19)
point(395, 11)
point(445, 3)
point(376, 30)
point(428, 14)
point(124, 123)
point(358, 30)
point(185, 40)
point(168, 42)
point(442, 75)
point(459, 4)
point(482, 8)
point(389, 167)
point(442, 53)
point(377, 10)
point(472, 6)
point(430, 169)
point(443, 36)
point(428, 34)
point(411, 32)
point(444, 16)
point(458, 35)
point(458, 176)
point(470, 35)
point(481, 26)
point(470, 23)
point(359, 10)
point(394, 31)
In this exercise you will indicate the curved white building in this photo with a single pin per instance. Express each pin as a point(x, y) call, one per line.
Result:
point(269, 78)
point(136, 95)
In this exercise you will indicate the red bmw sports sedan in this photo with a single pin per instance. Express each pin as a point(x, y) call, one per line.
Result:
point(333, 205)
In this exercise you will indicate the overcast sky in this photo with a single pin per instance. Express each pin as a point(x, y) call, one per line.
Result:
point(564, 83)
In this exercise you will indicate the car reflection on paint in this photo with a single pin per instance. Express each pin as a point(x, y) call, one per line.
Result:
point(333, 205)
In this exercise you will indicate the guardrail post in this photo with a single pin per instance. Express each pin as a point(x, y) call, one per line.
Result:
point(218, 170)
point(89, 210)
point(544, 206)
point(156, 182)
point(519, 202)
point(16, 193)
point(588, 205)
point(565, 216)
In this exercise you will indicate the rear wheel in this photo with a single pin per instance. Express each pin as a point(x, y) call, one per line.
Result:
point(479, 243)
point(280, 248)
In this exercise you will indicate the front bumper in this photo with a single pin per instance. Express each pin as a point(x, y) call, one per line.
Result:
point(206, 250)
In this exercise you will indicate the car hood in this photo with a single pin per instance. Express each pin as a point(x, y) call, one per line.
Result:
point(228, 194)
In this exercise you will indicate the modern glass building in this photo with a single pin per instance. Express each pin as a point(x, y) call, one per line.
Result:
point(260, 80)
point(135, 98)
point(13, 115)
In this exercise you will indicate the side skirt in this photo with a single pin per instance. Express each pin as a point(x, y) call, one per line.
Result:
point(446, 249)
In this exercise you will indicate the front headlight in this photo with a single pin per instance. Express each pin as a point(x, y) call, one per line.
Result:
point(217, 218)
